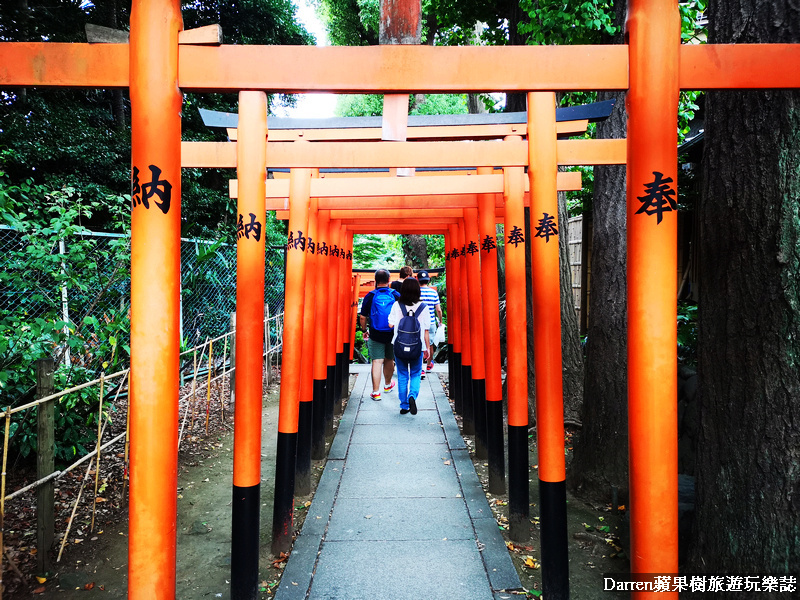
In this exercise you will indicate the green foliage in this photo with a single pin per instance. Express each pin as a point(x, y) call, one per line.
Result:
point(441, 104)
point(359, 105)
point(373, 251)
point(687, 333)
point(567, 21)
point(435, 244)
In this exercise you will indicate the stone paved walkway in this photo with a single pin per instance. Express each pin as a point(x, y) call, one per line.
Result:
point(399, 513)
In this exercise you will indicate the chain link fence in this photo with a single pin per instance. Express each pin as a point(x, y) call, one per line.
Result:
point(83, 280)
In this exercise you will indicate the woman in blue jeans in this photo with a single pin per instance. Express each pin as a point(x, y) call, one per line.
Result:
point(408, 373)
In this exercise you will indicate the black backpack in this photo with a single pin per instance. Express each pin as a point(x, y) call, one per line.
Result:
point(407, 344)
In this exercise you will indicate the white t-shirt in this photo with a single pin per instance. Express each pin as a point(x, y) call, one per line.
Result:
point(424, 320)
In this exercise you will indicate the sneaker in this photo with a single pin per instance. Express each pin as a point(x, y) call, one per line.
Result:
point(430, 366)
point(403, 411)
point(390, 387)
point(422, 375)
point(412, 404)
point(375, 396)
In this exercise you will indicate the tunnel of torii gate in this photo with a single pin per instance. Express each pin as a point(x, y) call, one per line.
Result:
point(161, 61)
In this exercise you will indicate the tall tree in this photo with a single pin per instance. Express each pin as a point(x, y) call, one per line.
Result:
point(748, 482)
point(600, 459)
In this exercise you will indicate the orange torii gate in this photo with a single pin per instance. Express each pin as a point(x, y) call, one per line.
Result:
point(161, 60)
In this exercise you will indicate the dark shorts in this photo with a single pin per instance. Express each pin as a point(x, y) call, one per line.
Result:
point(380, 350)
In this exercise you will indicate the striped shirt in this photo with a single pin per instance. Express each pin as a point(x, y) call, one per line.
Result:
point(430, 297)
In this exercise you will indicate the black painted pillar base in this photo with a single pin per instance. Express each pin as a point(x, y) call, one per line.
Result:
point(519, 510)
point(479, 416)
point(283, 505)
point(318, 421)
point(455, 384)
point(450, 371)
point(346, 372)
point(467, 407)
point(244, 542)
point(337, 385)
point(555, 558)
point(329, 400)
point(494, 446)
point(302, 482)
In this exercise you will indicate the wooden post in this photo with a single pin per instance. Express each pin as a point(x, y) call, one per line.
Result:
point(491, 339)
point(654, 29)
point(475, 304)
point(467, 406)
point(232, 371)
point(319, 411)
point(45, 494)
point(155, 296)
point(250, 242)
point(517, 355)
point(545, 229)
point(286, 454)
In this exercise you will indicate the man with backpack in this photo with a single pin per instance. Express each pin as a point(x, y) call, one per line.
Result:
point(375, 308)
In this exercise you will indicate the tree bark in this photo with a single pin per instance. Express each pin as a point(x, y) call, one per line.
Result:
point(600, 455)
point(571, 351)
point(748, 482)
point(600, 459)
point(415, 251)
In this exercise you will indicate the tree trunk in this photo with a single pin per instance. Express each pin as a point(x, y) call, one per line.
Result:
point(600, 460)
point(748, 483)
point(117, 96)
point(571, 351)
point(415, 251)
point(516, 102)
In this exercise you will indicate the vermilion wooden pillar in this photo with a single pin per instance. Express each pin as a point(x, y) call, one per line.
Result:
point(285, 458)
point(473, 260)
point(331, 392)
point(155, 295)
point(491, 339)
point(245, 509)
point(545, 229)
point(654, 30)
point(467, 407)
point(306, 414)
point(321, 303)
point(517, 354)
point(454, 320)
point(354, 308)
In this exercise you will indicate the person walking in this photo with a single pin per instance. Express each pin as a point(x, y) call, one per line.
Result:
point(430, 296)
point(405, 272)
point(375, 309)
point(410, 320)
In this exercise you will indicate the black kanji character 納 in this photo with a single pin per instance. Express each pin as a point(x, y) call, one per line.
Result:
point(136, 190)
point(516, 236)
point(658, 198)
point(335, 251)
point(322, 248)
point(546, 228)
point(245, 229)
point(161, 188)
point(300, 241)
point(312, 246)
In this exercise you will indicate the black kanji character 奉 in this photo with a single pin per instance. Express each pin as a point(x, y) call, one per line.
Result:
point(349, 255)
point(454, 253)
point(658, 198)
point(322, 248)
point(157, 187)
point(546, 228)
point(472, 248)
point(516, 237)
point(464, 250)
point(488, 243)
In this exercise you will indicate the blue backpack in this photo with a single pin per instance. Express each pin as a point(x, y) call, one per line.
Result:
point(382, 301)
point(407, 344)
